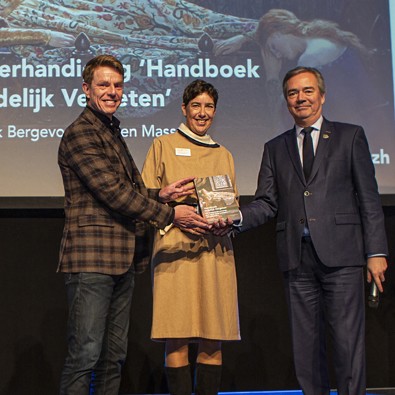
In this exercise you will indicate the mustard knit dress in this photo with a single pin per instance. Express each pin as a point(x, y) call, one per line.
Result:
point(194, 277)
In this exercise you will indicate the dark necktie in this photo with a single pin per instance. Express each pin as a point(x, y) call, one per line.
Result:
point(308, 152)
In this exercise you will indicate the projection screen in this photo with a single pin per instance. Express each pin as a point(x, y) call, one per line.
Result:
point(243, 47)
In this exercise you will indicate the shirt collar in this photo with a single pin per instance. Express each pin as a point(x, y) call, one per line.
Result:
point(112, 124)
point(316, 126)
point(206, 139)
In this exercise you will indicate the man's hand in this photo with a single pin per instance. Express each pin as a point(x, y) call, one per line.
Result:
point(377, 265)
point(177, 189)
point(187, 220)
point(221, 227)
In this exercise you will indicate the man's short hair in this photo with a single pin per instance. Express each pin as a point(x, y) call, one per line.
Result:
point(99, 61)
point(300, 70)
point(198, 87)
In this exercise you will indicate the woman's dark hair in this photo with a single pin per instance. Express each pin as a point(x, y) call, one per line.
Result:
point(197, 88)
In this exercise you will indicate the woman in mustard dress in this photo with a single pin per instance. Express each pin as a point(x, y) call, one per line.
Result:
point(194, 276)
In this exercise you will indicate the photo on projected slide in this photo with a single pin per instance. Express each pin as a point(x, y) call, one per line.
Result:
point(243, 47)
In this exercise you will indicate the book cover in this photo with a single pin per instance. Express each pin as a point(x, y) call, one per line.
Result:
point(217, 198)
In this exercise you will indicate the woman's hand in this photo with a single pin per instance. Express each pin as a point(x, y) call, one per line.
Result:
point(177, 189)
point(221, 227)
point(229, 45)
point(189, 221)
point(60, 39)
point(271, 63)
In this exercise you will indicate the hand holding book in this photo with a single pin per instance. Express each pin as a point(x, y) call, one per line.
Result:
point(217, 199)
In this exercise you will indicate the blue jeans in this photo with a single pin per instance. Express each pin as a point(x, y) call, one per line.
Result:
point(97, 332)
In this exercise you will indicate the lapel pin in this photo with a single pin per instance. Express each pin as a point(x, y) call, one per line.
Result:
point(326, 135)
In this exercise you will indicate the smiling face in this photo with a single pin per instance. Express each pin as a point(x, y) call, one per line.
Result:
point(104, 93)
point(199, 113)
point(304, 98)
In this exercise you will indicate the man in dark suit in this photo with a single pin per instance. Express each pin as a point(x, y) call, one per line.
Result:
point(107, 208)
point(318, 180)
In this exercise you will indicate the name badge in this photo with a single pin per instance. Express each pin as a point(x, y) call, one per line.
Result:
point(183, 152)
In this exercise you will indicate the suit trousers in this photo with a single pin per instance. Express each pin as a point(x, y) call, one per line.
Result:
point(97, 332)
point(321, 299)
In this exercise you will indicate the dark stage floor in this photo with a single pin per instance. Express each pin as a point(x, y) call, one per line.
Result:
point(369, 391)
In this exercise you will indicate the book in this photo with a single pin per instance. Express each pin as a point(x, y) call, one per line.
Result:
point(217, 198)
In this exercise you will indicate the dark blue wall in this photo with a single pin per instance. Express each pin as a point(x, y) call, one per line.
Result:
point(33, 315)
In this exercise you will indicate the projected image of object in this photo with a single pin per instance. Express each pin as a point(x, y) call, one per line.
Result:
point(339, 54)
point(32, 27)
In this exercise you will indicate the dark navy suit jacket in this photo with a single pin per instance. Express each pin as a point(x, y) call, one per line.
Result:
point(340, 200)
